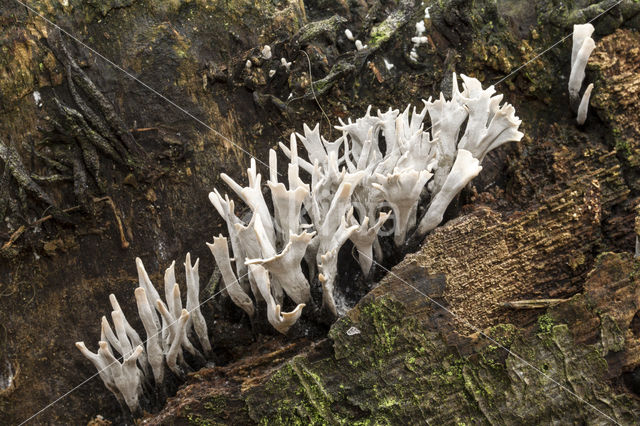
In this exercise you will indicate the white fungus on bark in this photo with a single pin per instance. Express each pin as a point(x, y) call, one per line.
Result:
point(266, 52)
point(581, 49)
point(153, 344)
point(37, 97)
point(584, 105)
point(580, 34)
point(365, 237)
point(286, 64)
point(359, 45)
point(101, 364)
point(418, 40)
point(281, 321)
point(382, 166)
point(349, 34)
point(577, 70)
point(196, 319)
point(126, 375)
point(220, 251)
point(464, 169)
point(348, 188)
point(166, 325)
point(402, 191)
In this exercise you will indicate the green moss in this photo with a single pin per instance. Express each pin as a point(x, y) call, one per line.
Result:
point(196, 419)
point(216, 405)
point(338, 70)
point(315, 29)
point(385, 30)
point(380, 34)
point(318, 397)
point(545, 323)
point(382, 315)
point(622, 145)
point(389, 402)
point(503, 334)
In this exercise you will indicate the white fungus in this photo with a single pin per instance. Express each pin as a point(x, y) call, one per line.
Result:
point(349, 34)
point(349, 179)
point(352, 331)
point(285, 64)
point(584, 105)
point(144, 362)
point(37, 98)
point(266, 52)
point(583, 45)
point(386, 159)
point(419, 40)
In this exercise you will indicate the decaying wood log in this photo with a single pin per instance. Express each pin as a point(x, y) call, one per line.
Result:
point(410, 364)
point(421, 353)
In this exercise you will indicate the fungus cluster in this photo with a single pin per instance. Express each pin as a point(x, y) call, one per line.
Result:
point(382, 166)
point(167, 325)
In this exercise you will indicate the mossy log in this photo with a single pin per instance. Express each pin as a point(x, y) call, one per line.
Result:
point(429, 343)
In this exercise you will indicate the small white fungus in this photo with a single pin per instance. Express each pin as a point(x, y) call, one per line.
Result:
point(266, 52)
point(360, 46)
point(349, 34)
point(37, 98)
point(353, 331)
point(419, 40)
point(285, 64)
